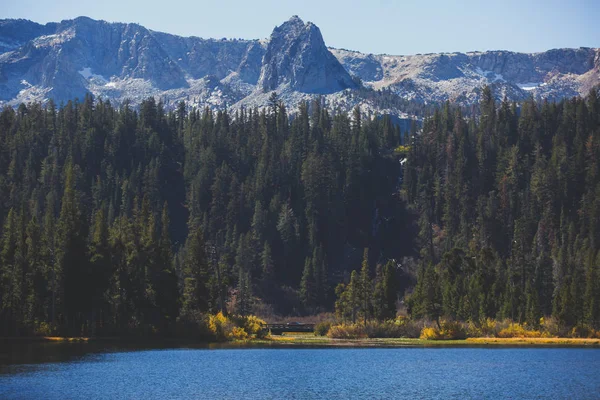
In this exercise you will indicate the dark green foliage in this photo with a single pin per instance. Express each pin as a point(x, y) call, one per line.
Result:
point(322, 328)
point(124, 221)
point(128, 221)
point(195, 274)
point(386, 292)
point(365, 298)
point(509, 212)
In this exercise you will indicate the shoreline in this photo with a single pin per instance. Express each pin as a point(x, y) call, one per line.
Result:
point(308, 340)
point(320, 341)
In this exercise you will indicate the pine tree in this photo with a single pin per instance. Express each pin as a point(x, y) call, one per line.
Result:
point(365, 288)
point(244, 302)
point(354, 295)
point(9, 244)
point(74, 290)
point(167, 292)
point(35, 279)
point(384, 295)
point(101, 272)
point(308, 284)
point(195, 272)
point(268, 266)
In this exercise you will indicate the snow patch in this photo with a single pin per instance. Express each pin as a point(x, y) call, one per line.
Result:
point(55, 39)
point(490, 75)
point(86, 72)
point(89, 75)
point(529, 86)
point(498, 77)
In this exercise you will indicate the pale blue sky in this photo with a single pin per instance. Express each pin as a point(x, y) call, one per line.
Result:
point(376, 26)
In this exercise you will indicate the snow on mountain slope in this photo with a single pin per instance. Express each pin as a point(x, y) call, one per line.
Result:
point(120, 61)
point(458, 77)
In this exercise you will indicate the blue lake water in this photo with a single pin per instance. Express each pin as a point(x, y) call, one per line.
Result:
point(75, 372)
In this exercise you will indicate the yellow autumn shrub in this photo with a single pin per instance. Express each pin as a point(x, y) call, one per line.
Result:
point(584, 331)
point(474, 330)
point(488, 327)
point(402, 150)
point(429, 333)
point(220, 326)
point(551, 327)
point(516, 330)
point(347, 331)
point(235, 327)
point(448, 330)
point(254, 325)
point(237, 333)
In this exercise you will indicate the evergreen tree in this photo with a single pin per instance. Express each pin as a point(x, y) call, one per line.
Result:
point(115, 220)
point(195, 272)
point(73, 265)
point(365, 288)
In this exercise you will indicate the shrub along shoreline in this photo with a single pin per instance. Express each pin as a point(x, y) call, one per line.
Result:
point(398, 332)
point(291, 341)
point(197, 328)
point(547, 329)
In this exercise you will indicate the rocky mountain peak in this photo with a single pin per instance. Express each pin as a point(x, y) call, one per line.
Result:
point(297, 57)
point(294, 22)
point(118, 61)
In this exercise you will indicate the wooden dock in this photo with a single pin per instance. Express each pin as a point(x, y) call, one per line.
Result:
point(278, 329)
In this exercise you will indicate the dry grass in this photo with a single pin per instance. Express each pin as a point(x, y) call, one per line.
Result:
point(310, 340)
point(65, 339)
point(282, 339)
point(536, 341)
point(311, 319)
point(449, 331)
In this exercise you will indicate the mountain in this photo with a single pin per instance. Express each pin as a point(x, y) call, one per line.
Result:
point(120, 61)
point(296, 56)
point(553, 74)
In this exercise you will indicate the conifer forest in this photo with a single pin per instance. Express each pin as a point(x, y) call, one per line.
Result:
point(122, 220)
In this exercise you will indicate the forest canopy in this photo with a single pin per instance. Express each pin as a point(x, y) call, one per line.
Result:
point(139, 221)
point(124, 220)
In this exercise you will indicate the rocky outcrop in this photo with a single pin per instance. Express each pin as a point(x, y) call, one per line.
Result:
point(202, 57)
point(297, 57)
point(365, 66)
point(554, 74)
point(519, 67)
point(443, 67)
point(16, 32)
point(250, 67)
point(120, 61)
point(64, 60)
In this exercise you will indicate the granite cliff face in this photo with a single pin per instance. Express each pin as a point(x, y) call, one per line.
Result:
point(119, 61)
point(296, 56)
point(553, 74)
point(17, 32)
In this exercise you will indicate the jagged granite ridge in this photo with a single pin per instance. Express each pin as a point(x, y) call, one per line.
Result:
point(297, 56)
point(119, 61)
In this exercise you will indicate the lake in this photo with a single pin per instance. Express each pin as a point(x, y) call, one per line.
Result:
point(93, 371)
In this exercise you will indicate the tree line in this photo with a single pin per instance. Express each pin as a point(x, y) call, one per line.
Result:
point(509, 211)
point(143, 220)
point(139, 221)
